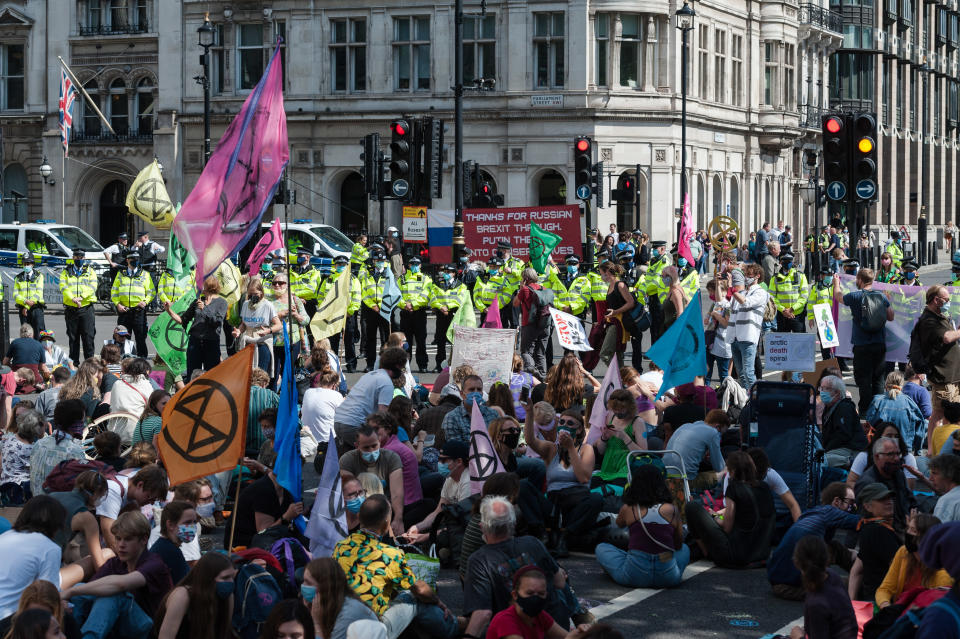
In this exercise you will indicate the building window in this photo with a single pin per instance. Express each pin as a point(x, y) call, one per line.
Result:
point(118, 108)
point(954, 31)
point(411, 53)
point(548, 32)
point(218, 61)
point(145, 106)
point(348, 54)
point(249, 55)
point(902, 90)
point(114, 16)
point(703, 54)
point(91, 121)
point(736, 70)
point(631, 51)
point(953, 105)
point(936, 107)
point(601, 29)
point(280, 31)
point(719, 65)
point(479, 47)
point(770, 73)
point(852, 78)
point(886, 93)
point(914, 92)
point(11, 77)
point(789, 75)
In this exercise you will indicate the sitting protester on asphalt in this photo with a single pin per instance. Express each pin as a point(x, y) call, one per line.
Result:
point(840, 431)
point(906, 570)
point(697, 445)
point(877, 542)
point(827, 610)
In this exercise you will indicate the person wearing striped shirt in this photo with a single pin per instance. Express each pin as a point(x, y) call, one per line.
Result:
point(749, 304)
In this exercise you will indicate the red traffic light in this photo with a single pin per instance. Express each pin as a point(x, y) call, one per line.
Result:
point(485, 189)
point(834, 125)
point(399, 127)
point(628, 183)
point(583, 144)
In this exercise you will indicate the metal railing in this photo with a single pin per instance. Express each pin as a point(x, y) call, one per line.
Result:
point(113, 29)
point(810, 115)
point(102, 137)
point(821, 17)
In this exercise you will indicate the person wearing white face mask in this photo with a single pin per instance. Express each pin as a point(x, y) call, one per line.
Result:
point(81, 527)
point(28, 295)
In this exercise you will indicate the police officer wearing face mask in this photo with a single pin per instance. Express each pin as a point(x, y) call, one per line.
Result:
point(820, 293)
point(372, 285)
point(909, 275)
point(304, 281)
point(689, 277)
point(466, 273)
point(132, 291)
point(789, 290)
point(28, 295)
point(492, 285)
point(266, 276)
point(78, 288)
point(341, 264)
point(653, 287)
point(415, 291)
point(446, 294)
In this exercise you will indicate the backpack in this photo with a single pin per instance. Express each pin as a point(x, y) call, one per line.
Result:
point(539, 311)
point(873, 312)
point(292, 556)
point(64, 475)
point(915, 353)
point(770, 312)
point(906, 626)
point(448, 531)
point(255, 593)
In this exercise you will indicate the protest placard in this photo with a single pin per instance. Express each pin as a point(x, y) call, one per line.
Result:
point(570, 332)
point(488, 350)
point(789, 351)
point(823, 315)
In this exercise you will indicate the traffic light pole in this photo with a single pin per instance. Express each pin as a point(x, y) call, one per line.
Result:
point(458, 129)
point(683, 126)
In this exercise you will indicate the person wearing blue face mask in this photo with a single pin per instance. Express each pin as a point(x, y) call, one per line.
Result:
point(353, 497)
point(340, 264)
point(369, 457)
point(820, 293)
point(182, 611)
point(338, 605)
point(454, 464)
point(78, 288)
point(28, 295)
point(456, 423)
point(909, 275)
point(304, 281)
point(415, 291)
point(789, 290)
point(841, 433)
point(178, 526)
point(373, 284)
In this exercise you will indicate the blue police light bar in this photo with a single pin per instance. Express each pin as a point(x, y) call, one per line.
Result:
point(46, 221)
point(303, 220)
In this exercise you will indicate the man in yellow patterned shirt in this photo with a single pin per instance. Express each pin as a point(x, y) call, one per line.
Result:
point(379, 574)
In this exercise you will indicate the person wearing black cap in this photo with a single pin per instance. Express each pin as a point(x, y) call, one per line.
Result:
point(789, 290)
point(372, 285)
point(492, 285)
point(149, 250)
point(415, 291)
point(820, 293)
point(78, 287)
point(131, 292)
point(454, 464)
point(909, 275)
point(512, 274)
point(28, 295)
point(115, 253)
point(654, 288)
point(304, 282)
point(851, 266)
point(877, 539)
point(340, 264)
point(465, 272)
point(446, 295)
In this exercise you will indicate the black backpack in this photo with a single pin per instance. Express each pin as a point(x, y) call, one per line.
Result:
point(873, 312)
point(448, 530)
point(539, 313)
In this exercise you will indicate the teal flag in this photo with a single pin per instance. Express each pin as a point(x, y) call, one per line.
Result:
point(681, 351)
point(465, 315)
point(542, 244)
point(180, 261)
point(170, 338)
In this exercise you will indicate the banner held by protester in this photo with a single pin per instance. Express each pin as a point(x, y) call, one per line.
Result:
point(170, 337)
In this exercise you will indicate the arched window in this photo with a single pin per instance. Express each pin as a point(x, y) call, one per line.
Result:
point(114, 217)
point(353, 205)
point(146, 106)
point(91, 121)
point(718, 208)
point(552, 189)
point(119, 108)
point(734, 197)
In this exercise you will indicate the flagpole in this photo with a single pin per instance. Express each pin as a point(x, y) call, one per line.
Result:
point(286, 258)
point(236, 504)
point(86, 95)
point(63, 190)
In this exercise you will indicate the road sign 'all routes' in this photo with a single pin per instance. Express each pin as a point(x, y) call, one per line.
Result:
point(836, 190)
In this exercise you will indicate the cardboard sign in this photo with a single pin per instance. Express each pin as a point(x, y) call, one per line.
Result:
point(483, 228)
point(789, 351)
point(488, 350)
point(823, 315)
point(570, 332)
point(812, 377)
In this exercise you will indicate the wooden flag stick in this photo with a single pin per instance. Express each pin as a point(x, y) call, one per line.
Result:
point(236, 503)
point(85, 94)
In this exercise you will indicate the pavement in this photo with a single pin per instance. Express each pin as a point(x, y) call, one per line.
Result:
point(711, 601)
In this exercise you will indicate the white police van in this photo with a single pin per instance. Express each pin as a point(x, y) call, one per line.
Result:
point(324, 242)
point(52, 245)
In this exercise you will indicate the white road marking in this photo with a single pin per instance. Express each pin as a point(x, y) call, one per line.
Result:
point(787, 628)
point(639, 594)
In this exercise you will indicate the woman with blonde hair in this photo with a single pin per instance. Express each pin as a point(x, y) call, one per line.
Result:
point(895, 407)
point(565, 383)
point(84, 385)
point(43, 595)
point(258, 322)
point(295, 315)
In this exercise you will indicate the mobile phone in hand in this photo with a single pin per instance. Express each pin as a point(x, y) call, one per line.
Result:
point(524, 393)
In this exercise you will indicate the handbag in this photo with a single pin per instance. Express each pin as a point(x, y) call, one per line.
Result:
point(640, 317)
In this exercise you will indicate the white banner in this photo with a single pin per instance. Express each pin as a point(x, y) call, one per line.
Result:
point(823, 315)
point(488, 350)
point(789, 351)
point(570, 331)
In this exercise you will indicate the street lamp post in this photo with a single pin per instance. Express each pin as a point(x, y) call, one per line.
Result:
point(685, 17)
point(810, 194)
point(205, 40)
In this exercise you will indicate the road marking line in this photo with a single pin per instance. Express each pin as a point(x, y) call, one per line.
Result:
point(787, 628)
point(639, 594)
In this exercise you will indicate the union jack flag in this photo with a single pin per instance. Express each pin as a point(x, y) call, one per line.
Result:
point(67, 96)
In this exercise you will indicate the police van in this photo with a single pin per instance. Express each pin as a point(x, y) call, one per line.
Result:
point(52, 246)
point(324, 242)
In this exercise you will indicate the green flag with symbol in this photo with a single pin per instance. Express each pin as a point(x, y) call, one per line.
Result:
point(180, 261)
point(542, 244)
point(170, 338)
point(465, 315)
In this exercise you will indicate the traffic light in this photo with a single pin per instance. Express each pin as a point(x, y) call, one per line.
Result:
point(583, 167)
point(626, 191)
point(864, 154)
point(431, 139)
point(835, 149)
point(371, 164)
point(403, 168)
point(469, 176)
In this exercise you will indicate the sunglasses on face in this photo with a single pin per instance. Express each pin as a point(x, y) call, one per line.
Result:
point(568, 422)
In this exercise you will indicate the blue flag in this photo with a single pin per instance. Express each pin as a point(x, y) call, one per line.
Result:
point(391, 296)
point(681, 351)
point(328, 519)
point(286, 442)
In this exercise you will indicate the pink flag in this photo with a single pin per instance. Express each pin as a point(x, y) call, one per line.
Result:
point(598, 416)
point(238, 183)
point(492, 319)
point(686, 232)
point(270, 242)
point(484, 461)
